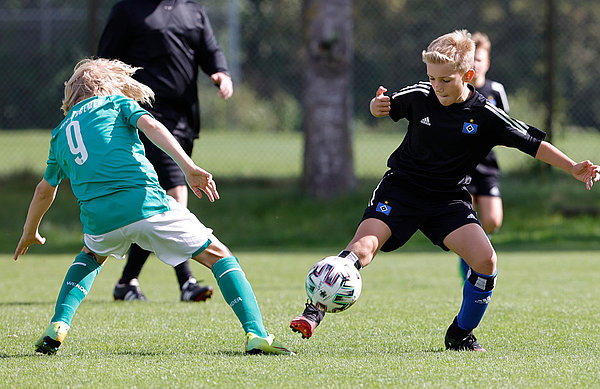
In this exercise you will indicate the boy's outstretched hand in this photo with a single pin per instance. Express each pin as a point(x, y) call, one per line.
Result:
point(26, 241)
point(202, 181)
point(586, 172)
point(380, 104)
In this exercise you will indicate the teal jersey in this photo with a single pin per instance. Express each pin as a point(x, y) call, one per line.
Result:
point(98, 148)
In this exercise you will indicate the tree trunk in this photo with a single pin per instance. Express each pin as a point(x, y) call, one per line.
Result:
point(328, 161)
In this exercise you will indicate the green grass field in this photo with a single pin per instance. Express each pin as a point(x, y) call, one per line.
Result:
point(263, 207)
point(541, 328)
point(237, 154)
point(226, 154)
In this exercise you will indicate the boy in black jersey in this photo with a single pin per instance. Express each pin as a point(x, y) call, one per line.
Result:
point(451, 128)
point(485, 178)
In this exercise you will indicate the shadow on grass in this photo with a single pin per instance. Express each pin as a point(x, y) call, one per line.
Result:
point(26, 303)
point(69, 354)
point(15, 356)
point(222, 353)
point(85, 302)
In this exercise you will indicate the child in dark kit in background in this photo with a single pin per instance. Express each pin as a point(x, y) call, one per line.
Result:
point(485, 178)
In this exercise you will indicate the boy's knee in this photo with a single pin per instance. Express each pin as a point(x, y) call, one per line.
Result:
point(99, 259)
point(212, 254)
point(494, 258)
point(485, 264)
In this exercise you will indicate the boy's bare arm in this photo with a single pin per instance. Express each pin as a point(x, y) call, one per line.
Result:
point(584, 171)
point(43, 198)
point(199, 180)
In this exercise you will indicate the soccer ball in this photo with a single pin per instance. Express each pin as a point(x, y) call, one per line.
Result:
point(333, 284)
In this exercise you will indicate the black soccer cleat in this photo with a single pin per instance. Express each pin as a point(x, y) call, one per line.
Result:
point(129, 292)
point(307, 321)
point(459, 339)
point(192, 291)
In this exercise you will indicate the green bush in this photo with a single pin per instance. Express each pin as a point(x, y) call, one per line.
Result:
point(248, 111)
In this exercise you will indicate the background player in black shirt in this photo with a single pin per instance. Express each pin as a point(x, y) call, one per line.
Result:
point(169, 40)
point(451, 127)
point(485, 178)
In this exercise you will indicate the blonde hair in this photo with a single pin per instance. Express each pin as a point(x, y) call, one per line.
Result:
point(455, 48)
point(104, 77)
point(482, 42)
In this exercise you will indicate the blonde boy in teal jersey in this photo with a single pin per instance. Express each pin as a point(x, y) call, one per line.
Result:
point(97, 147)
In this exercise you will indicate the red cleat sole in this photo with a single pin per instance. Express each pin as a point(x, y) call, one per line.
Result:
point(204, 296)
point(302, 326)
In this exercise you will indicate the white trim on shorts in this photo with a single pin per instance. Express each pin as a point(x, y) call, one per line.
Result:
point(174, 236)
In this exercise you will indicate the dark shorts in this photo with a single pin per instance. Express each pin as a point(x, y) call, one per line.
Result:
point(484, 185)
point(485, 178)
point(405, 211)
point(169, 173)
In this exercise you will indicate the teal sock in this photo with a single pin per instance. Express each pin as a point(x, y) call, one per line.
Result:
point(238, 293)
point(77, 284)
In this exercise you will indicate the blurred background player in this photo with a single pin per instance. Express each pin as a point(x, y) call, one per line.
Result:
point(485, 178)
point(169, 40)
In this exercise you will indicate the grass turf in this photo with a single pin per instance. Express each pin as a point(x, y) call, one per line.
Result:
point(235, 154)
point(263, 207)
point(541, 212)
point(540, 330)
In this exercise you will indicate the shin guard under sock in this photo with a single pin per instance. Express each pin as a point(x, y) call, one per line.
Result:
point(238, 293)
point(76, 285)
point(477, 293)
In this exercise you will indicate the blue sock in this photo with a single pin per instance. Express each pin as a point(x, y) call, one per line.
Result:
point(477, 292)
point(77, 284)
point(238, 293)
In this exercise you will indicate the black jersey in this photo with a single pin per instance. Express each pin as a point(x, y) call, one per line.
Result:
point(494, 92)
point(169, 40)
point(488, 168)
point(444, 143)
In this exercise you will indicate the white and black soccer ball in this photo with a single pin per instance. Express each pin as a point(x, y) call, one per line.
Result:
point(333, 284)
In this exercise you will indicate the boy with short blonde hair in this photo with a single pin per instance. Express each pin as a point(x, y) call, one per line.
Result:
point(451, 127)
point(454, 48)
point(98, 148)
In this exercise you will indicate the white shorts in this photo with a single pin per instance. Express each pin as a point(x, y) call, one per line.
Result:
point(174, 236)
